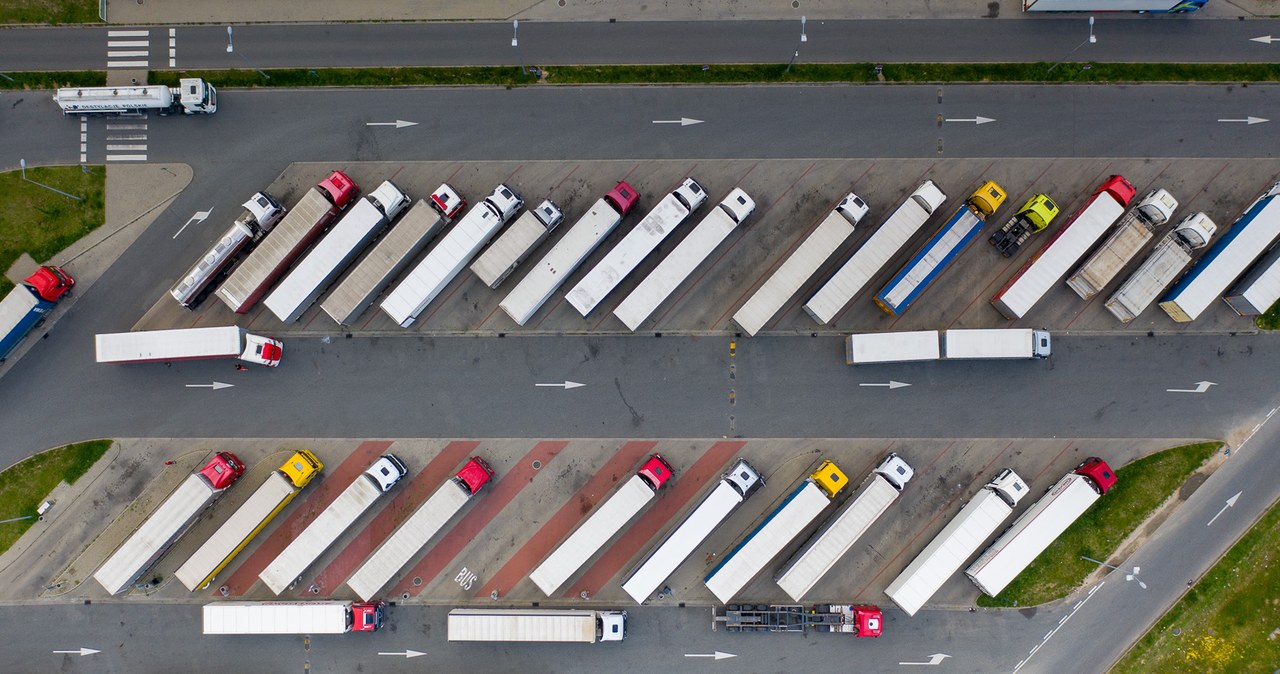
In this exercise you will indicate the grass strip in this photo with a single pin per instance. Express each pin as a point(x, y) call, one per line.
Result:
point(1228, 621)
point(53, 12)
point(1140, 488)
point(1271, 319)
point(24, 485)
point(52, 79)
point(41, 222)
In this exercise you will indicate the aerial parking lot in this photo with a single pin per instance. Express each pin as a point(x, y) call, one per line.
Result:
point(792, 197)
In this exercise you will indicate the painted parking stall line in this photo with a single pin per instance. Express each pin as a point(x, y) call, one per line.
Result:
point(614, 472)
point(334, 481)
point(419, 487)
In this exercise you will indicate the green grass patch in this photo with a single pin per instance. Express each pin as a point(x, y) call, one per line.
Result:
point(26, 484)
point(49, 11)
point(53, 79)
point(1227, 622)
point(1140, 488)
point(42, 222)
point(1271, 319)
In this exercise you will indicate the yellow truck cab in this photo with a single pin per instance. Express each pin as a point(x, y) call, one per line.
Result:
point(1033, 217)
point(988, 198)
point(829, 478)
point(302, 468)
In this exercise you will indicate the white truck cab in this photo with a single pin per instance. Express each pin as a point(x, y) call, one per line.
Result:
point(613, 625)
point(549, 214)
point(447, 201)
point(853, 208)
point(1157, 207)
point(691, 193)
point(1040, 344)
point(745, 478)
point(262, 350)
point(1008, 486)
point(506, 201)
point(387, 471)
point(739, 205)
point(389, 199)
point(896, 471)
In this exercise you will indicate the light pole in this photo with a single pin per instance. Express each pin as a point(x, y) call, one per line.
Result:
point(803, 39)
point(23, 164)
point(515, 42)
point(1093, 39)
point(231, 49)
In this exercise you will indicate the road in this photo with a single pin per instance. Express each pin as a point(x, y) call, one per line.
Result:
point(252, 126)
point(1120, 38)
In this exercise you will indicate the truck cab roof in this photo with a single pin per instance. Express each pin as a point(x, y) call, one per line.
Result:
point(549, 214)
point(506, 201)
point(869, 620)
point(613, 625)
point(475, 474)
point(623, 197)
point(447, 201)
point(1009, 486)
point(1195, 230)
point(302, 468)
point(222, 470)
point(1098, 472)
point(1157, 206)
point(739, 205)
point(656, 471)
point(691, 193)
point(50, 283)
point(829, 478)
point(265, 210)
point(929, 196)
point(896, 471)
point(1040, 211)
point(386, 471)
point(988, 198)
point(368, 616)
point(1121, 189)
point(389, 199)
point(341, 189)
point(744, 478)
point(853, 208)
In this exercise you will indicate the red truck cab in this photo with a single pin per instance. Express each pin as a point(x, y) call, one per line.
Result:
point(868, 620)
point(51, 283)
point(222, 470)
point(475, 475)
point(341, 189)
point(1121, 189)
point(1098, 472)
point(447, 201)
point(367, 616)
point(656, 471)
point(623, 197)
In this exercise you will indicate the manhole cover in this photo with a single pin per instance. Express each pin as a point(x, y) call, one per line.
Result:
point(537, 465)
point(417, 580)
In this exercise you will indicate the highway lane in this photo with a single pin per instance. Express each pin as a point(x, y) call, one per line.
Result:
point(1121, 38)
point(256, 126)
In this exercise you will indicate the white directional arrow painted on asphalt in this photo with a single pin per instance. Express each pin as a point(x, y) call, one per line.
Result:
point(1230, 502)
point(80, 651)
point(565, 385)
point(716, 655)
point(683, 121)
point(1247, 120)
point(891, 385)
point(215, 385)
point(399, 124)
point(198, 217)
point(975, 120)
point(1201, 387)
point(1265, 39)
point(405, 653)
point(935, 659)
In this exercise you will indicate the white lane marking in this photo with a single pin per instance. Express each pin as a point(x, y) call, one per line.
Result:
point(127, 136)
point(125, 148)
point(1062, 622)
point(126, 54)
point(128, 33)
point(120, 44)
point(126, 127)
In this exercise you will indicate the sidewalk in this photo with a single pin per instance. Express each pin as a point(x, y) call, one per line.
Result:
point(141, 12)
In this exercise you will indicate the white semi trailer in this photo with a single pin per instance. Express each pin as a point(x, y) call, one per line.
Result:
point(537, 625)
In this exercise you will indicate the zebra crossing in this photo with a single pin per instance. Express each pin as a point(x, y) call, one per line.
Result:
point(127, 141)
point(128, 48)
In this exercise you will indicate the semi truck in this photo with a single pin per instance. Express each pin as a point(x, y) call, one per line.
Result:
point(1259, 289)
point(27, 305)
point(941, 249)
point(537, 625)
point(891, 347)
point(321, 533)
point(497, 262)
point(1034, 216)
point(792, 274)
point(1250, 235)
point(684, 259)
point(148, 543)
point(1040, 525)
point(962, 536)
point(821, 553)
point(564, 257)
point(800, 509)
point(1068, 245)
point(156, 346)
point(884, 243)
point(732, 489)
point(450, 254)
point(1139, 6)
point(1165, 264)
point(362, 223)
point(279, 249)
point(261, 213)
point(1136, 228)
point(292, 617)
point(192, 96)
point(638, 243)
point(860, 621)
point(999, 343)
point(280, 487)
point(418, 530)
point(603, 525)
point(392, 254)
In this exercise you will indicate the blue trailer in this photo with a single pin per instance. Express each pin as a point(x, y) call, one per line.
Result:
point(20, 311)
point(946, 245)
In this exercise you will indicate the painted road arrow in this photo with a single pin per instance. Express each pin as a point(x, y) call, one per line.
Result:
point(566, 385)
point(717, 655)
point(1230, 502)
point(80, 651)
point(935, 659)
point(198, 217)
point(1201, 387)
point(1247, 120)
point(399, 124)
point(405, 653)
point(683, 121)
point(215, 385)
point(1265, 39)
point(975, 120)
point(891, 385)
